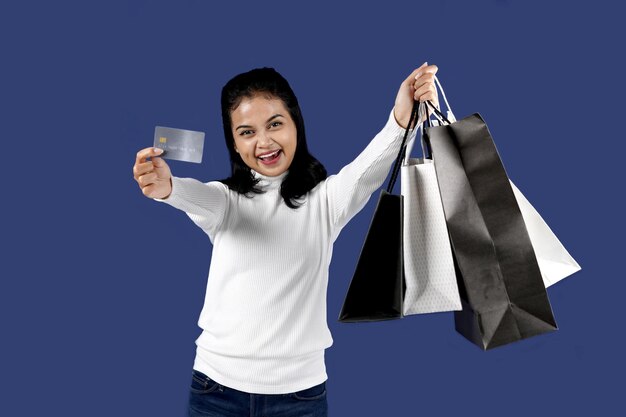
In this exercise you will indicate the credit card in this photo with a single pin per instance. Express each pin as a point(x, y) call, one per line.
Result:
point(179, 144)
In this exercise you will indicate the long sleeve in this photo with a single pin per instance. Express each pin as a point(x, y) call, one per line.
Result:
point(264, 319)
point(205, 203)
point(349, 190)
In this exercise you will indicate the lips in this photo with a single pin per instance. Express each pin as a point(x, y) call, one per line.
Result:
point(268, 155)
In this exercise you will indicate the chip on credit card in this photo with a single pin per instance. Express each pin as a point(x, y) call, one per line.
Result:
point(179, 144)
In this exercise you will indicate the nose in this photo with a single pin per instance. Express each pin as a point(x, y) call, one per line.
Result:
point(264, 139)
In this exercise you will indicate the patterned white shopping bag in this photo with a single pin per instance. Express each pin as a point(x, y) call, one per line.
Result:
point(428, 264)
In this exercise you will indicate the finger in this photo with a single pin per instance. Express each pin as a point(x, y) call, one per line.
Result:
point(148, 190)
point(425, 89)
point(429, 69)
point(427, 96)
point(147, 179)
point(411, 77)
point(146, 153)
point(424, 94)
point(432, 69)
point(423, 79)
point(140, 169)
point(158, 162)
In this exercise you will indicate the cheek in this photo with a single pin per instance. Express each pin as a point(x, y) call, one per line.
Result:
point(241, 147)
point(293, 141)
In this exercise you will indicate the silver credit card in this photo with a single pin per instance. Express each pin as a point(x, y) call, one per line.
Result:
point(179, 144)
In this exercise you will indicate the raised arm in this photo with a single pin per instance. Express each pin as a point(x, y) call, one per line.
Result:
point(206, 203)
point(349, 190)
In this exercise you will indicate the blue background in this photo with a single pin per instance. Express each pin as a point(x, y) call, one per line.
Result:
point(101, 287)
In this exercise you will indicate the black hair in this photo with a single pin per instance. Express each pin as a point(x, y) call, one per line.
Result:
point(305, 171)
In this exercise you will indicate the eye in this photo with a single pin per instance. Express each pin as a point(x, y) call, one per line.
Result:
point(275, 123)
point(243, 132)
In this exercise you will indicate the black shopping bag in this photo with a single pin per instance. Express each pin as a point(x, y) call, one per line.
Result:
point(502, 292)
point(377, 287)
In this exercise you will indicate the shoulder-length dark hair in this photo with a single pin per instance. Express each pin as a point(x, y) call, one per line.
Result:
point(305, 171)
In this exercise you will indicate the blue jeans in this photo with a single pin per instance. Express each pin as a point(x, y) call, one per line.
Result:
point(208, 398)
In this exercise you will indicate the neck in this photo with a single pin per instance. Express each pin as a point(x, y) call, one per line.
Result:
point(270, 182)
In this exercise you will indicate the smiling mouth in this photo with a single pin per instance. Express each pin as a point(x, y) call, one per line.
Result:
point(270, 156)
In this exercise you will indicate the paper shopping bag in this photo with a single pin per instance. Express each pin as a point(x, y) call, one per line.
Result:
point(502, 291)
point(377, 286)
point(429, 274)
point(554, 260)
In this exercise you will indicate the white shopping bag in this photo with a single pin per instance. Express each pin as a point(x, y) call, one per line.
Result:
point(554, 260)
point(429, 274)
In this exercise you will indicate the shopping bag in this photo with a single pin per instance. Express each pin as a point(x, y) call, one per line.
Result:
point(554, 260)
point(502, 291)
point(429, 274)
point(377, 286)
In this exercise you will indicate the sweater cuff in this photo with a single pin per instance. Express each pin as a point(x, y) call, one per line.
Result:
point(173, 197)
point(394, 128)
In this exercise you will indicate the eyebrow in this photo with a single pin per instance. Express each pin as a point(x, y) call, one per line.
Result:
point(268, 120)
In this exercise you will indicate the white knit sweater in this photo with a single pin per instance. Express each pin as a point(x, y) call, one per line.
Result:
point(263, 322)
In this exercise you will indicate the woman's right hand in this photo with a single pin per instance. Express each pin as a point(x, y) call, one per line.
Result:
point(419, 86)
point(154, 177)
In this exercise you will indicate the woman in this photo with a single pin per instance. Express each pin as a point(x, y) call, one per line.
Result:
point(272, 224)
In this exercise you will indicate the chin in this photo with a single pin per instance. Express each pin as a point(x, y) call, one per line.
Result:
point(270, 173)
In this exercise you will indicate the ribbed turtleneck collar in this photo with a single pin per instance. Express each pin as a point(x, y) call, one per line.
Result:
point(269, 182)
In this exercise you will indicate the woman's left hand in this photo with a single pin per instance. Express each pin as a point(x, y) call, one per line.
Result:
point(420, 85)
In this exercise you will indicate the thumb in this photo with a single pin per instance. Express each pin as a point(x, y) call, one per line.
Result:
point(156, 154)
point(158, 162)
point(411, 78)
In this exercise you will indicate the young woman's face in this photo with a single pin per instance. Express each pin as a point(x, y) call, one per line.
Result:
point(263, 126)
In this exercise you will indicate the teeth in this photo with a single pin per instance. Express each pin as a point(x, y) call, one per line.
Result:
point(269, 155)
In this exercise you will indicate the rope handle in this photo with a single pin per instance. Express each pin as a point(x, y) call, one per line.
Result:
point(396, 167)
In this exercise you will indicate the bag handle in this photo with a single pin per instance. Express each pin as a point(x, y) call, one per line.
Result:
point(439, 116)
point(396, 167)
point(412, 120)
point(436, 112)
point(450, 114)
point(403, 155)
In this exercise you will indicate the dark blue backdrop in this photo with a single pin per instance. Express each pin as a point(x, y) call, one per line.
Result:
point(101, 287)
